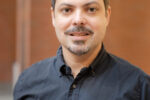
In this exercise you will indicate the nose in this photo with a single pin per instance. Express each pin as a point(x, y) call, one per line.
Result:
point(79, 19)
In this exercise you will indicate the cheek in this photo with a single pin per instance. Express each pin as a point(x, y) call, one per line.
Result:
point(60, 28)
point(98, 24)
point(99, 27)
point(62, 23)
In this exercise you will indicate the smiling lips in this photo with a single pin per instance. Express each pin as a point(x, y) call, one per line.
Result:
point(79, 34)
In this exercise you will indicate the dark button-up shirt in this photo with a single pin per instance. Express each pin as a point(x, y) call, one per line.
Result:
point(107, 78)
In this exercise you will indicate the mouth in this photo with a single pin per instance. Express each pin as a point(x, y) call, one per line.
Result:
point(79, 34)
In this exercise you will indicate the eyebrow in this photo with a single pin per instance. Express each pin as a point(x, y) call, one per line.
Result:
point(66, 4)
point(87, 4)
point(92, 2)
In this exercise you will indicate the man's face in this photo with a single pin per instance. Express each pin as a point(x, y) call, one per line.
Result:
point(80, 25)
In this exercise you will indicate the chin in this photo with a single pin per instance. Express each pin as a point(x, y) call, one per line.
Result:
point(78, 50)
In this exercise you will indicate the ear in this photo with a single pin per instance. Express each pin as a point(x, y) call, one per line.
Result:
point(53, 16)
point(108, 14)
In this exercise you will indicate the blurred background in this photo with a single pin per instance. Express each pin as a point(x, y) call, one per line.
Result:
point(27, 36)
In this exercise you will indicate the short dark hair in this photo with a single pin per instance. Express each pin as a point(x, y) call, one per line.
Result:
point(106, 3)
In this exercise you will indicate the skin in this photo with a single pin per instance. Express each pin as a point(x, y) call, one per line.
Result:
point(80, 27)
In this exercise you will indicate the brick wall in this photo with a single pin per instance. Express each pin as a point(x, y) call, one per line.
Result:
point(128, 34)
point(7, 39)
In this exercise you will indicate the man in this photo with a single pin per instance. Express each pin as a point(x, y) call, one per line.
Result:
point(82, 69)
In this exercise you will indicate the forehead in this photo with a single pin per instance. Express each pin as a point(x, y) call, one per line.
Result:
point(78, 2)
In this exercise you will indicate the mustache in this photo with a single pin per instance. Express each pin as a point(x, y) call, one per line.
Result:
point(79, 29)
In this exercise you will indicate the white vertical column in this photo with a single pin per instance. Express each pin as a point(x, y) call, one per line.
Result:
point(23, 20)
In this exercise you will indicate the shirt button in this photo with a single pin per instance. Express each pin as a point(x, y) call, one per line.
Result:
point(74, 86)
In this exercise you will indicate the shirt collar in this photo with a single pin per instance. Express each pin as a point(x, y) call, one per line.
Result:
point(60, 63)
point(98, 62)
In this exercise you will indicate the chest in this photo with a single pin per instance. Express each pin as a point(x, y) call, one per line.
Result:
point(87, 89)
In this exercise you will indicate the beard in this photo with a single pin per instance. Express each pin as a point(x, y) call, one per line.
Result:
point(79, 49)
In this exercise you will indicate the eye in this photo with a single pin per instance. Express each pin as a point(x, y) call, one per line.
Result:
point(66, 10)
point(92, 10)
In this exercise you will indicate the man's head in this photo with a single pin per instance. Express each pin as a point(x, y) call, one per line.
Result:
point(80, 25)
point(106, 3)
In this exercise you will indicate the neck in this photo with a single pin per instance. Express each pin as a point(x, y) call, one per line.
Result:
point(77, 62)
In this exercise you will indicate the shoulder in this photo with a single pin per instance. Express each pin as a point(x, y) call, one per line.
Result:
point(36, 73)
point(130, 77)
point(126, 70)
point(124, 65)
point(42, 66)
